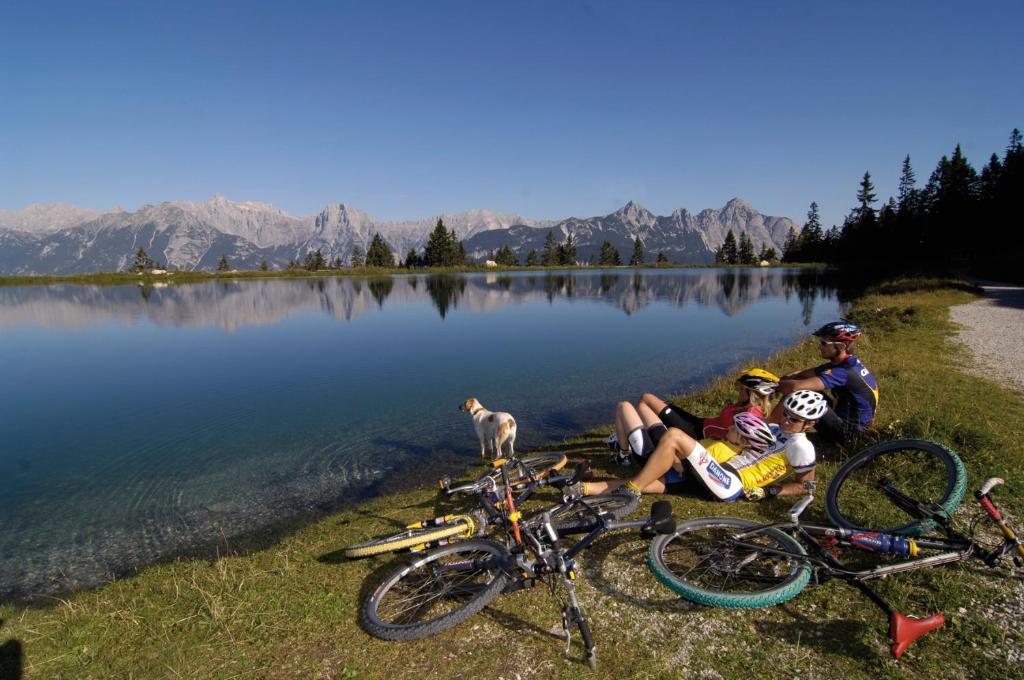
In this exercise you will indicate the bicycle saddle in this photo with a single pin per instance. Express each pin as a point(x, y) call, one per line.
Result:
point(903, 630)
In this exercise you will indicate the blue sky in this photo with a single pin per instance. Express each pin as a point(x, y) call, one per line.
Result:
point(408, 110)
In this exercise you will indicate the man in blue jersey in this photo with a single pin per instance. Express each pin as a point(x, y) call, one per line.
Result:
point(853, 388)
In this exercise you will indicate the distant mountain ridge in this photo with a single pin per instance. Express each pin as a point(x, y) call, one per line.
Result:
point(61, 239)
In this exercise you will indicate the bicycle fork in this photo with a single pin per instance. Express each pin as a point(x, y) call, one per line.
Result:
point(572, 615)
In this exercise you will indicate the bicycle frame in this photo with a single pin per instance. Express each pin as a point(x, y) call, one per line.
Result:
point(953, 548)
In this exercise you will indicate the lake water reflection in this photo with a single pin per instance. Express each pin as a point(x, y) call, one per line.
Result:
point(138, 422)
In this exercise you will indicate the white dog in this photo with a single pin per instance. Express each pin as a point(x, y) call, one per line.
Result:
point(493, 429)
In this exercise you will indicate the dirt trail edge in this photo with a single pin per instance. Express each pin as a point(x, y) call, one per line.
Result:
point(991, 331)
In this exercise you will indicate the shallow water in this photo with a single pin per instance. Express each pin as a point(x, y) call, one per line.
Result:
point(139, 422)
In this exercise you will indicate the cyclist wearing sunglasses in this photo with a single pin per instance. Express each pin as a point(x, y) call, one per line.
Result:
point(850, 383)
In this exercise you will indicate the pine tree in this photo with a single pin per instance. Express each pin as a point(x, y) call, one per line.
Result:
point(411, 259)
point(791, 246)
point(906, 192)
point(264, 266)
point(730, 254)
point(314, 261)
point(550, 257)
point(745, 254)
point(531, 258)
point(506, 257)
point(142, 262)
point(866, 196)
point(567, 251)
point(662, 258)
point(810, 240)
point(378, 254)
point(609, 255)
point(222, 264)
point(355, 258)
point(442, 247)
point(638, 253)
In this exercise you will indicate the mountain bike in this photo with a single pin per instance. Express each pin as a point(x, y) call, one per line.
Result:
point(518, 476)
point(737, 563)
point(451, 583)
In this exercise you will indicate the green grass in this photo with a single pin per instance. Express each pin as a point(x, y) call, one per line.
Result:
point(120, 278)
point(291, 611)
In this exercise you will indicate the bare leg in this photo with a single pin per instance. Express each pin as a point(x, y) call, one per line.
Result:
point(674, 447)
point(653, 402)
point(626, 420)
point(610, 485)
point(647, 415)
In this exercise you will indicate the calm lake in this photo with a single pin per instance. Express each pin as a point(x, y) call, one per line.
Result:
point(141, 422)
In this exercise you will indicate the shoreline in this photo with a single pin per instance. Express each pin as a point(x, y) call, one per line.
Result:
point(176, 276)
point(291, 609)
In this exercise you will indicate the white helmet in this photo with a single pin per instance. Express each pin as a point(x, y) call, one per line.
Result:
point(805, 404)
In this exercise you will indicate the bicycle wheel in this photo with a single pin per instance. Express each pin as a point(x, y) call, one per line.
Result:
point(444, 587)
point(461, 525)
point(579, 517)
point(920, 469)
point(704, 563)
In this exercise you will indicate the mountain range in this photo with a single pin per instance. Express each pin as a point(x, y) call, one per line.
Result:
point(63, 239)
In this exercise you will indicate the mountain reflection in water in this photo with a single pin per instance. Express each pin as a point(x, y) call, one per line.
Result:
point(232, 304)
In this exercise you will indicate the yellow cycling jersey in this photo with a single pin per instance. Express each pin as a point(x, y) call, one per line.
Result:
point(719, 449)
point(790, 453)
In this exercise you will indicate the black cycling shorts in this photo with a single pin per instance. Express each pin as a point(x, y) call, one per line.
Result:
point(834, 429)
point(673, 416)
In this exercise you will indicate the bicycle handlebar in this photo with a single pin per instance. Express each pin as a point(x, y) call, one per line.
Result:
point(989, 484)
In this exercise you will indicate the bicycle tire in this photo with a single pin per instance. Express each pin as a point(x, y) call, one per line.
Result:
point(701, 562)
point(921, 469)
point(574, 518)
point(394, 609)
point(461, 525)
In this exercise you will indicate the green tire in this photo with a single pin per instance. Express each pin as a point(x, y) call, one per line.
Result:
point(703, 563)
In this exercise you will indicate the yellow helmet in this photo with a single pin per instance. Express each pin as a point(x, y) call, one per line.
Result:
point(759, 380)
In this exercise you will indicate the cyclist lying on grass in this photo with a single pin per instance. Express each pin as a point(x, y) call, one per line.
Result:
point(756, 387)
point(753, 461)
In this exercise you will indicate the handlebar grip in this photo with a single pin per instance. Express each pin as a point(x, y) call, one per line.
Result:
point(990, 483)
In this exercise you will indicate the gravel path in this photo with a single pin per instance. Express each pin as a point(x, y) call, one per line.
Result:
point(991, 331)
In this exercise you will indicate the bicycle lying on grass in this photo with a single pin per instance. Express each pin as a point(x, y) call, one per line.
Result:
point(738, 563)
point(450, 583)
point(512, 480)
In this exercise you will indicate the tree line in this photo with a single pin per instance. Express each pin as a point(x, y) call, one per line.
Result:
point(443, 249)
point(731, 252)
point(960, 219)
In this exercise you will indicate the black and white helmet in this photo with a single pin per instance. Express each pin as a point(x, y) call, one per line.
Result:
point(754, 429)
point(805, 405)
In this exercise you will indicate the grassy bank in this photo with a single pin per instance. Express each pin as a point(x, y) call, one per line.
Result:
point(121, 278)
point(291, 611)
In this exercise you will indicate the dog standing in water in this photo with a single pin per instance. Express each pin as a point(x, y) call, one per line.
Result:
point(493, 428)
